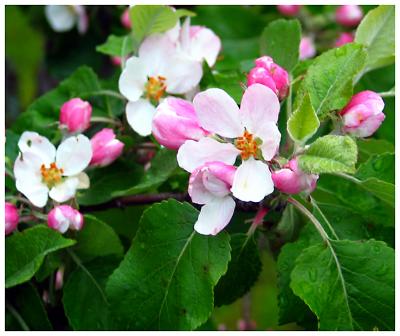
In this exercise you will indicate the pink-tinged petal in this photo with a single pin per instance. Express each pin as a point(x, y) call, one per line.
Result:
point(125, 19)
point(215, 216)
point(218, 113)
point(287, 181)
point(252, 181)
point(133, 78)
point(39, 145)
point(307, 48)
point(259, 105)
point(61, 18)
point(193, 154)
point(74, 154)
point(262, 76)
point(64, 217)
point(140, 116)
point(368, 127)
point(105, 147)
point(349, 15)
point(289, 10)
point(205, 44)
point(11, 217)
point(82, 19)
point(343, 39)
point(271, 137)
point(75, 115)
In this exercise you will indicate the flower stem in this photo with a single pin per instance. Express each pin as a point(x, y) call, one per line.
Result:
point(17, 316)
point(109, 93)
point(390, 93)
point(105, 120)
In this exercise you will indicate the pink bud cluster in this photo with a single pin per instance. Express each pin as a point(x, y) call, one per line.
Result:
point(349, 15)
point(289, 10)
point(75, 115)
point(63, 218)
point(11, 217)
point(106, 148)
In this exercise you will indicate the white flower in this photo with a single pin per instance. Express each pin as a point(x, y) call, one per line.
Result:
point(254, 133)
point(63, 18)
point(41, 171)
point(166, 63)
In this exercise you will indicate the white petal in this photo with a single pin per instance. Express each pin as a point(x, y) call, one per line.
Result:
point(271, 137)
point(40, 145)
point(84, 181)
point(140, 116)
point(259, 105)
point(218, 113)
point(61, 18)
point(65, 190)
point(27, 167)
point(133, 79)
point(193, 154)
point(252, 181)
point(197, 190)
point(215, 216)
point(74, 155)
point(206, 45)
point(36, 193)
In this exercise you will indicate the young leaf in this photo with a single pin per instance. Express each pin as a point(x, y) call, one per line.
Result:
point(84, 298)
point(26, 250)
point(120, 46)
point(379, 166)
point(329, 80)
point(166, 279)
point(330, 154)
point(349, 285)
point(151, 19)
point(303, 123)
point(377, 33)
point(281, 40)
point(243, 270)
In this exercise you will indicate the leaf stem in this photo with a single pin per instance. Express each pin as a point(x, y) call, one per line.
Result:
point(17, 316)
point(349, 177)
point(109, 93)
point(315, 205)
point(105, 120)
point(390, 93)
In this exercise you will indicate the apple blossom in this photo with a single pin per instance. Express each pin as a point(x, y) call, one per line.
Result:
point(253, 132)
point(41, 171)
point(75, 114)
point(125, 19)
point(63, 18)
point(343, 39)
point(289, 10)
point(175, 122)
point(363, 115)
point(166, 63)
point(349, 15)
point(64, 217)
point(307, 48)
point(11, 217)
point(267, 73)
point(210, 185)
point(291, 180)
point(115, 60)
point(59, 279)
point(106, 149)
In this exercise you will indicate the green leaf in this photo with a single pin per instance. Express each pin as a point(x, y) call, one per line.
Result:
point(243, 270)
point(368, 147)
point(84, 298)
point(303, 123)
point(51, 262)
point(377, 33)
point(151, 19)
point(120, 46)
point(162, 167)
point(97, 239)
point(281, 40)
point(184, 12)
point(167, 277)
point(11, 148)
point(378, 166)
point(381, 189)
point(329, 80)
point(26, 250)
point(349, 285)
point(330, 154)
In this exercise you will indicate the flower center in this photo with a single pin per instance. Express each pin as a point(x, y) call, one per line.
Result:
point(155, 88)
point(248, 145)
point(52, 175)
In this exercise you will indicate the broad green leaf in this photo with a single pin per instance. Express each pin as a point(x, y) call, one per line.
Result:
point(330, 154)
point(243, 270)
point(51, 262)
point(26, 300)
point(303, 123)
point(381, 189)
point(151, 19)
point(120, 46)
point(377, 32)
point(184, 12)
point(281, 40)
point(329, 80)
point(349, 285)
point(97, 239)
point(26, 250)
point(378, 166)
point(162, 166)
point(167, 277)
point(84, 298)
point(368, 147)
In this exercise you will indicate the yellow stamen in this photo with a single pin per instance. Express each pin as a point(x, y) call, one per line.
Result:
point(247, 145)
point(155, 88)
point(52, 175)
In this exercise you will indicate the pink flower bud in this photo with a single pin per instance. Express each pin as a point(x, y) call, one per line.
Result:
point(363, 115)
point(59, 280)
point(268, 73)
point(11, 217)
point(106, 149)
point(75, 115)
point(349, 15)
point(125, 19)
point(291, 180)
point(343, 39)
point(307, 48)
point(175, 122)
point(64, 217)
point(115, 60)
point(289, 10)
